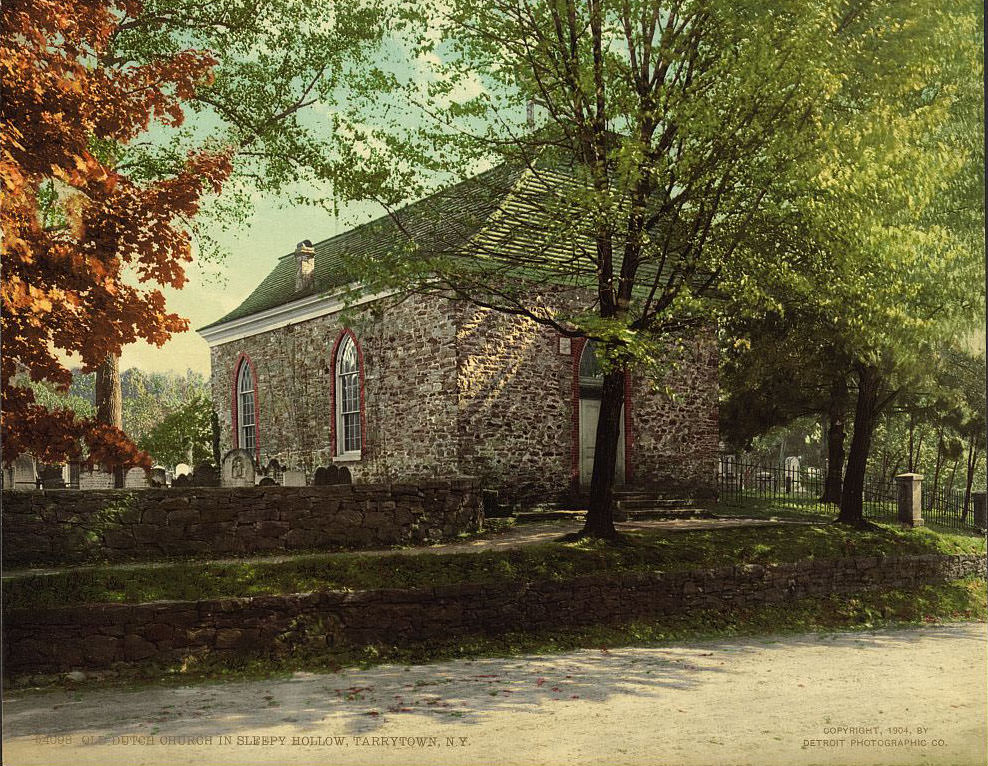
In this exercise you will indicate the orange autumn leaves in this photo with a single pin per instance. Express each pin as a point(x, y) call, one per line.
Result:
point(85, 246)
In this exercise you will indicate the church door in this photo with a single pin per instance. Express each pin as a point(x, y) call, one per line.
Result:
point(591, 382)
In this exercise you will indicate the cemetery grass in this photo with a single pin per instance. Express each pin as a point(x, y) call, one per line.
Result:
point(638, 552)
point(925, 605)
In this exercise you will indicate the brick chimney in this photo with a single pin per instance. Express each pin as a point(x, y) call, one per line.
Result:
point(305, 261)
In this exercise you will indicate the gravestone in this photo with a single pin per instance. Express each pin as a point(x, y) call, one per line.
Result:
point(95, 479)
point(274, 471)
point(24, 473)
point(136, 478)
point(159, 477)
point(205, 475)
point(293, 479)
point(792, 474)
point(182, 469)
point(329, 475)
point(238, 469)
point(182, 480)
point(267, 481)
point(52, 476)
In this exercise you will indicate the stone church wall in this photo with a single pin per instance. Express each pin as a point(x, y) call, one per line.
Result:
point(408, 359)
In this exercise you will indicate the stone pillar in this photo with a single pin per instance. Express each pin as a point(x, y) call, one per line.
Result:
point(910, 499)
point(980, 510)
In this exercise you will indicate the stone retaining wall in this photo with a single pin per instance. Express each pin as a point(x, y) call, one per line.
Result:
point(98, 636)
point(71, 526)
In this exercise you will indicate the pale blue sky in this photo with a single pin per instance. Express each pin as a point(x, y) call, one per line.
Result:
point(211, 292)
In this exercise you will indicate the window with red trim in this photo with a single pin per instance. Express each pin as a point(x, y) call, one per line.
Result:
point(246, 414)
point(348, 435)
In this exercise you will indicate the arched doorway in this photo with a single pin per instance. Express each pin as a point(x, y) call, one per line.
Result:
point(591, 386)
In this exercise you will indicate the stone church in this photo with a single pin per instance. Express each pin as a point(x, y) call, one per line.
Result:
point(428, 387)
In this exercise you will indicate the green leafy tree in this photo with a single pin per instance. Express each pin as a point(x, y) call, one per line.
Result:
point(691, 152)
point(185, 435)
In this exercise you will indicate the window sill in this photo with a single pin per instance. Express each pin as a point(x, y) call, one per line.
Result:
point(348, 457)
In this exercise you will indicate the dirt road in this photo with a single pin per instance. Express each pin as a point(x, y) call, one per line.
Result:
point(888, 697)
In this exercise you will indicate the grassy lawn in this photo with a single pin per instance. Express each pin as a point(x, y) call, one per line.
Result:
point(650, 551)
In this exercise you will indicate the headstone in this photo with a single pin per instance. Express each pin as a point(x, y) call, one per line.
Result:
point(136, 478)
point(182, 480)
point(238, 469)
point(792, 474)
point(95, 479)
point(267, 481)
point(334, 474)
point(24, 474)
point(182, 469)
point(274, 471)
point(52, 476)
point(293, 479)
point(205, 475)
point(159, 476)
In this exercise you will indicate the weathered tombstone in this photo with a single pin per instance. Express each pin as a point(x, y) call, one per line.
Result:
point(333, 474)
point(182, 469)
point(238, 469)
point(267, 481)
point(136, 478)
point(182, 480)
point(94, 478)
point(159, 476)
point(24, 473)
point(293, 479)
point(205, 475)
point(52, 476)
point(274, 470)
point(792, 474)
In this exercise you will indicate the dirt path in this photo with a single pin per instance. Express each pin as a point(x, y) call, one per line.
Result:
point(788, 701)
point(514, 537)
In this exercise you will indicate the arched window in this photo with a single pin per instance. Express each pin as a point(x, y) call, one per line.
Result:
point(591, 374)
point(348, 437)
point(246, 414)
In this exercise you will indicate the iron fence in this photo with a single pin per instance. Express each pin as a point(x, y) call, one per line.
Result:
point(748, 483)
point(947, 508)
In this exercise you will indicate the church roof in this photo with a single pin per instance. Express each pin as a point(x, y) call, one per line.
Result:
point(520, 223)
point(442, 222)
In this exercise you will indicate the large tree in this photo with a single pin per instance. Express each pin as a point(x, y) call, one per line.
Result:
point(82, 240)
point(676, 139)
point(83, 83)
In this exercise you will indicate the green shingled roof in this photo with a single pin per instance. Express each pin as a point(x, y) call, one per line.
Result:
point(440, 223)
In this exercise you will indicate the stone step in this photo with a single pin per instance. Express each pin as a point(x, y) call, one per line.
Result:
point(530, 516)
point(630, 504)
point(664, 513)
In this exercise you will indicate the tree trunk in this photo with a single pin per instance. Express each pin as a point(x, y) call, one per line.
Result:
point(109, 401)
point(972, 467)
point(835, 443)
point(865, 415)
point(600, 514)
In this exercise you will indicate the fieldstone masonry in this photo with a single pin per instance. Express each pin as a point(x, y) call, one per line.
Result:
point(450, 389)
point(100, 635)
point(73, 527)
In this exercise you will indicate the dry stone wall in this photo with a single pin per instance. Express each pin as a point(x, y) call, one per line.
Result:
point(99, 636)
point(74, 526)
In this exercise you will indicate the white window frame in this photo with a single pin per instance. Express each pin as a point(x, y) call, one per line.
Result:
point(349, 377)
point(245, 388)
